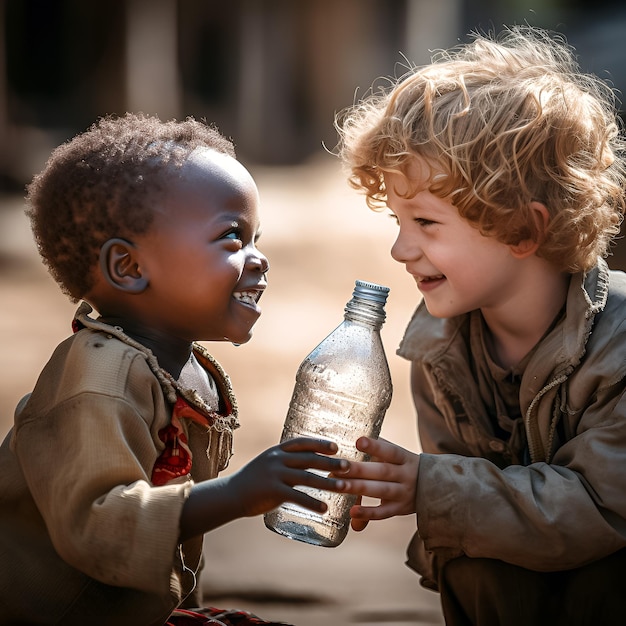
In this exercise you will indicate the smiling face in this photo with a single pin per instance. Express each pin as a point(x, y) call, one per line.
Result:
point(204, 272)
point(456, 269)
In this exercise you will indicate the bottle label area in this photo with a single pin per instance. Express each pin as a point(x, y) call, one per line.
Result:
point(337, 417)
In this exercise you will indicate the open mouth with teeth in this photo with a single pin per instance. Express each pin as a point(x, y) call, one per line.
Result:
point(247, 297)
point(428, 279)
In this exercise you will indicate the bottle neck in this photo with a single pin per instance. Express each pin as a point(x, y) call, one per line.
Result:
point(366, 312)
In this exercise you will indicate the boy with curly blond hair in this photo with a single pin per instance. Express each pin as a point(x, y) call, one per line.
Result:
point(504, 168)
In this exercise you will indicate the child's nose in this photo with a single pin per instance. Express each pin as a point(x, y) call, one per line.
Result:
point(258, 260)
point(405, 248)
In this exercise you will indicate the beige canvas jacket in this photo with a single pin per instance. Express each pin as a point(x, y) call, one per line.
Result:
point(567, 506)
point(85, 538)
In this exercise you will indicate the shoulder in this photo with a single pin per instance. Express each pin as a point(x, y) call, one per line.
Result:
point(94, 363)
point(617, 289)
point(101, 362)
point(612, 319)
point(604, 359)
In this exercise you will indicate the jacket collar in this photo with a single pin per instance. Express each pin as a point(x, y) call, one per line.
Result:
point(224, 419)
point(432, 340)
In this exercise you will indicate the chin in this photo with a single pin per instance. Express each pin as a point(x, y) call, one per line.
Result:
point(239, 340)
point(442, 312)
point(434, 311)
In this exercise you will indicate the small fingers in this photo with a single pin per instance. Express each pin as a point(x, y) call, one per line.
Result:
point(312, 481)
point(358, 524)
point(308, 502)
point(315, 480)
point(309, 453)
point(305, 460)
point(383, 450)
point(309, 444)
point(373, 470)
point(355, 522)
point(379, 489)
point(361, 515)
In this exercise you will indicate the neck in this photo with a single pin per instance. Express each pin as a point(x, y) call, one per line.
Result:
point(171, 352)
point(517, 327)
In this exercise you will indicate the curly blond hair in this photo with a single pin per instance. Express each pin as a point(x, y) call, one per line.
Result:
point(102, 184)
point(507, 120)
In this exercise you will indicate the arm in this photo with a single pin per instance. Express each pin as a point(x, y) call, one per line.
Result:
point(262, 485)
point(87, 463)
point(545, 516)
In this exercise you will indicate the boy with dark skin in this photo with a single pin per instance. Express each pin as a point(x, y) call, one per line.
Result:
point(109, 477)
point(504, 168)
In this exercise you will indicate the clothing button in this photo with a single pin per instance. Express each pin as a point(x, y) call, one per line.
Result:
point(497, 446)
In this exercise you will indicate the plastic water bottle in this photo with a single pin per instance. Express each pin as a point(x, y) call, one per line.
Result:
point(342, 391)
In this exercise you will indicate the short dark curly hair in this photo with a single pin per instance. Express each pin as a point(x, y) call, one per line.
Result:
point(101, 184)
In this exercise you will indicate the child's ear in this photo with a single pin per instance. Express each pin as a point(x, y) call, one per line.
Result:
point(527, 247)
point(119, 266)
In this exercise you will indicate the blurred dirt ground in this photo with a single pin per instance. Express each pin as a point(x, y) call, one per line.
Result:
point(320, 237)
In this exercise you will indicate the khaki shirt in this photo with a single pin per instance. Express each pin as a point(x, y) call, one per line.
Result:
point(85, 538)
point(566, 505)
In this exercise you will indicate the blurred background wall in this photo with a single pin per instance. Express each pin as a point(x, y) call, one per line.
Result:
point(269, 73)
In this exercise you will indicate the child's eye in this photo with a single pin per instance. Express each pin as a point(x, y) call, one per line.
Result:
point(234, 234)
point(421, 221)
point(424, 222)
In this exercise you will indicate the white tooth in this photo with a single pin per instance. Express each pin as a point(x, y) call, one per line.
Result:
point(248, 297)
